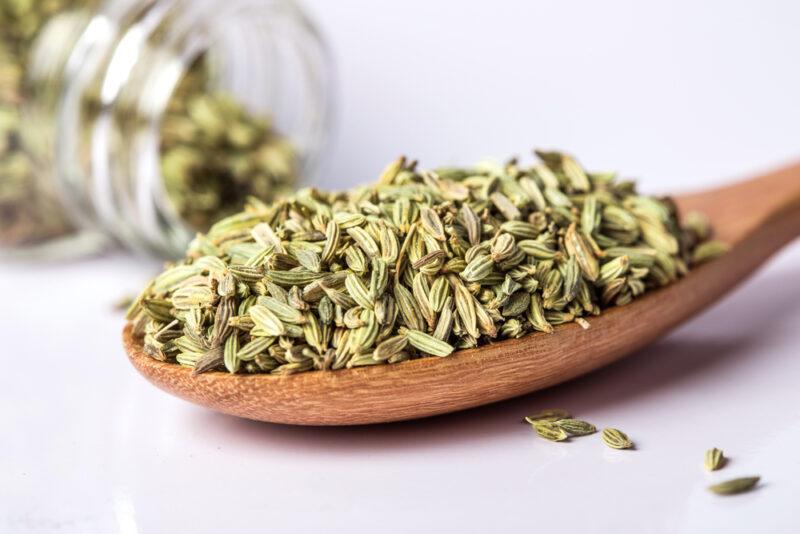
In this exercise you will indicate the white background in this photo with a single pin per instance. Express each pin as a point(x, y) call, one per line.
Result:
point(680, 95)
point(677, 94)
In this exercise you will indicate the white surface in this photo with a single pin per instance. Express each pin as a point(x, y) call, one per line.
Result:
point(89, 447)
point(682, 95)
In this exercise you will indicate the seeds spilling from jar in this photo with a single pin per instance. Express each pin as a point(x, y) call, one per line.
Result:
point(28, 211)
point(421, 263)
point(214, 153)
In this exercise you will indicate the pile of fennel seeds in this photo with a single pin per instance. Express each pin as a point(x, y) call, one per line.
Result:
point(421, 263)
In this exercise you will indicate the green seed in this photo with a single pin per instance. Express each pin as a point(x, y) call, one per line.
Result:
point(708, 251)
point(575, 427)
point(714, 459)
point(548, 415)
point(549, 431)
point(266, 322)
point(428, 344)
point(734, 486)
point(616, 439)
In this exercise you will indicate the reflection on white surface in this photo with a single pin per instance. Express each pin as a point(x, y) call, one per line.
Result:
point(125, 514)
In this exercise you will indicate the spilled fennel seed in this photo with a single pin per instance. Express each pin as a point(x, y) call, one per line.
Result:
point(714, 459)
point(420, 263)
point(575, 427)
point(547, 415)
point(558, 425)
point(616, 439)
point(550, 431)
point(734, 486)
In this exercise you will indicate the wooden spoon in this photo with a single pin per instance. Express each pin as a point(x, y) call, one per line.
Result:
point(756, 218)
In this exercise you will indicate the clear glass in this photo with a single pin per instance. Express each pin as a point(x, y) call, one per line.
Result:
point(128, 57)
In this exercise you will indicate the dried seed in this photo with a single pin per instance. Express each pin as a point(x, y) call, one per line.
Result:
point(536, 315)
point(429, 259)
point(390, 248)
point(390, 347)
point(186, 298)
point(358, 291)
point(221, 328)
point(264, 235)
point(484, 320)
point(589, 216)
point(503, 247)
point(612, 270)
point(253, 348)
point(210, 360)
point(266, 321)
point(465, 306)
point(408, 308)
point(379, 278)
point(505, 206)
point(734, 486)
point(332, 236)
point(698, 224)
point(285, 312)
point(392, 170)
point(549, 431)
point(537, 249)
point(312, 332)
point(432, 223)
point(517, 304)
point(548, 415)
point(478, 269)
point(547, 177)
point(420, 290)
point(444, 326)
point(364, 240)
point(440, 291)
point(657, 237)
point(533, 192)
point(472, 224)
point(576, 427)
point(714, 459)
point(574, 173)
point(616, 439)
point(428, 344)
point(578, 248)
point(708, 251)
point(295, 277)
point(230, 357)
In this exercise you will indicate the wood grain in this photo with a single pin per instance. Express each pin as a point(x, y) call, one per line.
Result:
point(756, 217)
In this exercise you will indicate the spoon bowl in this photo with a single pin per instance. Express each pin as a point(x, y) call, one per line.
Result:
point(755, 217)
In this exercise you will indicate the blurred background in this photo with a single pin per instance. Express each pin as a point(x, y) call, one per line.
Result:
point(154, 119)
point(679, 95)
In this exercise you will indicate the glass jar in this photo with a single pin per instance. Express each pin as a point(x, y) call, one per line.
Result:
point(142, 121)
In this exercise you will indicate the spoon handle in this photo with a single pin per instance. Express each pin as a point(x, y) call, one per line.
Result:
point(769, 202)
